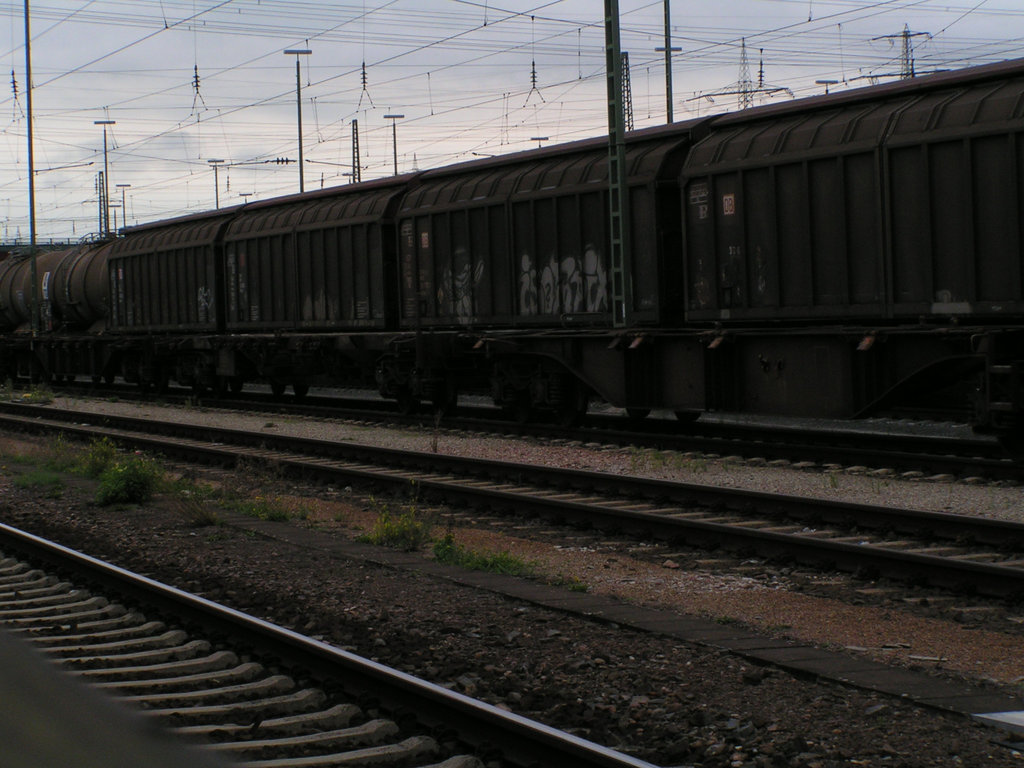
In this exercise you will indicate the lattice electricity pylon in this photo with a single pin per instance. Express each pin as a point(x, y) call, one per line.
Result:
point(627, 92)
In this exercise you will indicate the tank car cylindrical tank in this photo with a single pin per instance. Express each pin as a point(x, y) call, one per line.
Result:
point(16, 289)
point(8, 268)
point(72, 287)
point(79, 286)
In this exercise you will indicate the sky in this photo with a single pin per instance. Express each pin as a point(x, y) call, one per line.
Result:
point(189, 81)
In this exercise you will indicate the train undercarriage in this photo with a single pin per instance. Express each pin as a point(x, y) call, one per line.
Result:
point(976, 374)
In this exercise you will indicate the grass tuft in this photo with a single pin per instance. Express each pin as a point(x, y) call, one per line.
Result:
point(50, 483)
point(449, 552)
point(131, 482)
point(405, 531)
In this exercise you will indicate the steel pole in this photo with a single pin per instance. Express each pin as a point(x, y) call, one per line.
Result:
point(31, 179)
point(668, 64)
point(298, 112)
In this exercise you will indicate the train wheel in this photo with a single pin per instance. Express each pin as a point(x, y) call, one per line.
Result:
point(235, 384)
point(300, 390)
point(638, 414)
point(1013, 444)
point(523, 411)
point(687, 417)
point(407, 403)
point(572, 412)
point(445, 401)
point(277, 387)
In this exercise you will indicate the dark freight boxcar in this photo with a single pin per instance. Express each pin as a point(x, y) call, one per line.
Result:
point(167, 277)
point(784, 215)
point(955, 169)
point(319, 262)
point(523, 241)
point(894, 202)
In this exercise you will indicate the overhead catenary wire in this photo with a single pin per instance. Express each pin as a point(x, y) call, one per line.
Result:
point(404, 44)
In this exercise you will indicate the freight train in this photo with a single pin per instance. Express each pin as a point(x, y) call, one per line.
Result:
point(834, 256)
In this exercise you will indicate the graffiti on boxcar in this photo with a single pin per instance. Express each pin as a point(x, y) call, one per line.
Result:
point(549, 287)
point(572, 285)
point(595, 280)
point(760, 273)
point(527, 286)
point(203, 302)
point(566, 286)
point(458, 284)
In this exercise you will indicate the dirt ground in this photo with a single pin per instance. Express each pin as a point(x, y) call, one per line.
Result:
point(664, 701)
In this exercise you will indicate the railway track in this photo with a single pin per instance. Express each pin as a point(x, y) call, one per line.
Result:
point(949, 551)
point(256, 693)
point(852, 444)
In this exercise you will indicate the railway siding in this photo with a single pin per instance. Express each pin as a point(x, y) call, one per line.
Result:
point(839, 534)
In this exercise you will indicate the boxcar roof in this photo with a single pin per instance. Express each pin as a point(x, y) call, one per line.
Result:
point(562, 166)
point(965, 98)
point(350, 204)
point(189, 231)
point(911, 87)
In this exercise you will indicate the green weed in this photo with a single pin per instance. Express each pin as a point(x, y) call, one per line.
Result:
point(38, 395)
point(195, 508)
point(131, 482)
point(569, 582)
point(406, 531)
point(100, 456)
point(266, 508)
point(449, 552)
point(47, 481)
point(60, 454)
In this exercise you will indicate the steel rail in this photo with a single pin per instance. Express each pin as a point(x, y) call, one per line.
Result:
point(942, 525)
point(490, 483)
point(523, 740)
point(956, 455)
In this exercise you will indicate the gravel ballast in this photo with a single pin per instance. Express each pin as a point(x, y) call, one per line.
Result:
point(666, 701)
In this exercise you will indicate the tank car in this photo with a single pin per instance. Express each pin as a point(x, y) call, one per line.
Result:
point(72, 294)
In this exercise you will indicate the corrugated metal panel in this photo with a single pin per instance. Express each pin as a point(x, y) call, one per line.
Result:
point(537, 252)
point(166, 277)
point(902, 200)
point(785, 215)
point(955, 169)
point(194, 231)
point(312, 262)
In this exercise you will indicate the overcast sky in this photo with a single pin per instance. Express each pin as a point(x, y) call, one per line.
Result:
point(187, 81)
